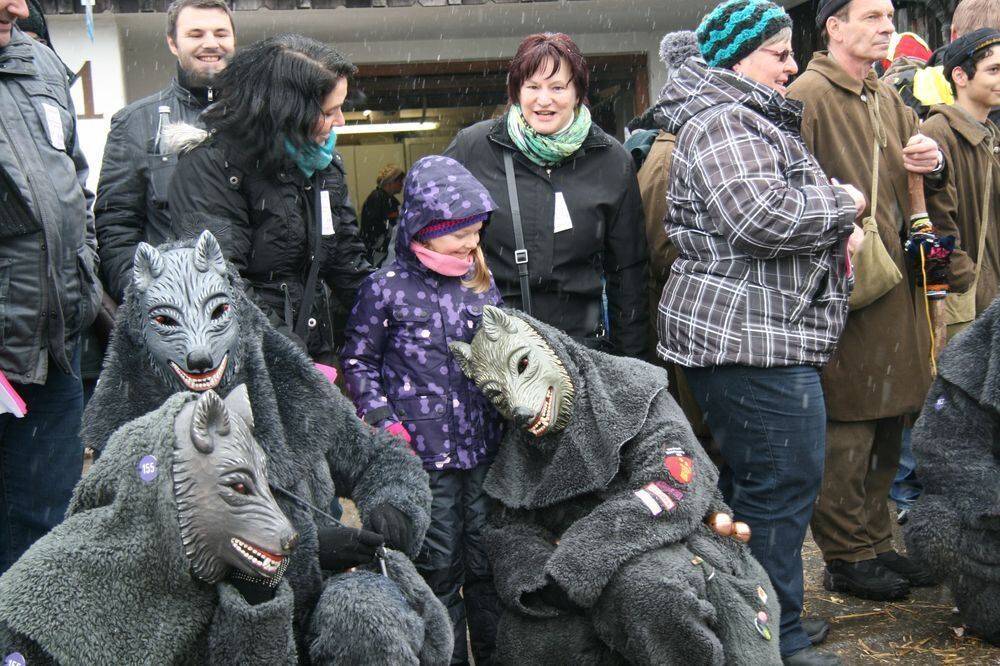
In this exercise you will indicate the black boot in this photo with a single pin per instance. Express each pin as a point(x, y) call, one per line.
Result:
point(907, 568)
point(867, 579)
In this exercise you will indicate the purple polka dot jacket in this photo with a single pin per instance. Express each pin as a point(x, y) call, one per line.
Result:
point(396, 359)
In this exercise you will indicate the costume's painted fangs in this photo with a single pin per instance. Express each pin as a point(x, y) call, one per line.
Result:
point(202, 382)
point(543, 421)
point(264, 562)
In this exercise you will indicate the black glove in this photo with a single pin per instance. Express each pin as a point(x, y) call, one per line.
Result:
point(255, 591)
point(551, 595)
point(394, 525)
point(345, 547)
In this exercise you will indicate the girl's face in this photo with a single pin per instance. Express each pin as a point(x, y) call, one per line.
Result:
point(331, 114)
point(460, 244)
point(548, 101)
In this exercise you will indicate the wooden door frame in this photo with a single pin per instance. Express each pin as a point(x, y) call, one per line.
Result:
point(637, 61)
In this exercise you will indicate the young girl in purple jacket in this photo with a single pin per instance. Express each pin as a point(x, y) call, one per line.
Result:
point(403, 378)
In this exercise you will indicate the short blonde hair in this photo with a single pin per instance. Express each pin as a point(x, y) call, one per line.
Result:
point(389, 173)
point(975, 14)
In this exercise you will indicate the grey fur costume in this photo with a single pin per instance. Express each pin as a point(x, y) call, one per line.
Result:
point(954, 527)
point(316, 448)
point(111, 583)
point(655, 589)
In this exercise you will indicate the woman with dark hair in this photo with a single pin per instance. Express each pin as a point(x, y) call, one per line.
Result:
point(266, 180)
point(573, 231)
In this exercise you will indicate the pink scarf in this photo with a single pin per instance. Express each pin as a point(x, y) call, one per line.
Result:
point(445, 264)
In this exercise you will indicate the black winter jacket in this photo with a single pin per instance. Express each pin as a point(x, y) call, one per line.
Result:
point(48, 262)
point(265, 225)
point(608, 236)
point(132, 192)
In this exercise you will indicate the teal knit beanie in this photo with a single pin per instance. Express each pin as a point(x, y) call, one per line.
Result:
point(737, 28)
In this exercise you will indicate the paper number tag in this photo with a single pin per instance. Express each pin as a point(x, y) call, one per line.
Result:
point(561, 221)
point(55, 126)
point(326, 213)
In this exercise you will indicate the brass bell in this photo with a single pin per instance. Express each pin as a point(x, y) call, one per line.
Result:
point(721, 524)
point(741, 532)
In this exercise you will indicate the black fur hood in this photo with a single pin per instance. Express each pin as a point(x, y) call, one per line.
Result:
point(613, 396)
point(122, 527)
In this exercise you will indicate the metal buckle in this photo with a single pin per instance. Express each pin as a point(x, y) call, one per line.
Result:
point(520, 257)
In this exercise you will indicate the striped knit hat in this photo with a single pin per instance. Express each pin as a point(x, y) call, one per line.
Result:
point(737, 28)
point(438, 228)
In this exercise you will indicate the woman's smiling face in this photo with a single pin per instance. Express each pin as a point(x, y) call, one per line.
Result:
point(549, 99)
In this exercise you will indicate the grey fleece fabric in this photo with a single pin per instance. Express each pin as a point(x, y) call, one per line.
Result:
point(111, 583)
point(954, 527)
point(568, 513)
point(316, 446)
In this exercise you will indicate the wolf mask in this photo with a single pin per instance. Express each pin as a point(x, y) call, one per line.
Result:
point(188, 325)
point(228, 517)
point(518, 372)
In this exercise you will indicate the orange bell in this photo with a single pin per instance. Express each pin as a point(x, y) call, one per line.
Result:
point(721, 523)
point(741, 532)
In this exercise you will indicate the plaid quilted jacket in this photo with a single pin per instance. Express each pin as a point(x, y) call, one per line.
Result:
point(762, 277)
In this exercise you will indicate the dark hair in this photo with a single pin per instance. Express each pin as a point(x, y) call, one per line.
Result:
point(554, 47)
point(271, 91)
point(970, 65)
point(174, 10)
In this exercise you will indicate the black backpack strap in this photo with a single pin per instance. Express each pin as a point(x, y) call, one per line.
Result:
point(305, 310)
point(520, 253)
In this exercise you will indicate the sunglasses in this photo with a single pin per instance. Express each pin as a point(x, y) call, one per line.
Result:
point(782, 56)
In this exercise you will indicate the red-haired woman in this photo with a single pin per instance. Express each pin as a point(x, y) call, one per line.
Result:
point(580, 211)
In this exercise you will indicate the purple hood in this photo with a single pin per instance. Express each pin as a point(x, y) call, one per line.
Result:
point(438, 188)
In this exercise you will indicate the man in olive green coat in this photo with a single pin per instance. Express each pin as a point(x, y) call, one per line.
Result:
point(880, 372)
point(969, 199)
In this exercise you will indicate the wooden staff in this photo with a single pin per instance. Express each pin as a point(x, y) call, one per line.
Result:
point(936, 306)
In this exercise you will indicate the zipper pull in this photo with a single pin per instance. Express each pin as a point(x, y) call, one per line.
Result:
point(548, 172)
point(211, 95)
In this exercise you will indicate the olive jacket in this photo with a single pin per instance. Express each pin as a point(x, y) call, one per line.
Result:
point(973, 157)
point(881, 367)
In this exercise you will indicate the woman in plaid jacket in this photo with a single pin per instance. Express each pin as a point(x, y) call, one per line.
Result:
point(757, 298)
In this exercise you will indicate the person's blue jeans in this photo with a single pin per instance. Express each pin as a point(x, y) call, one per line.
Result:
point(41, 459)
point(770, 425)
point(907, 487)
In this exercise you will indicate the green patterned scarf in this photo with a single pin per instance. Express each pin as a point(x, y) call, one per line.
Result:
point(547, 150)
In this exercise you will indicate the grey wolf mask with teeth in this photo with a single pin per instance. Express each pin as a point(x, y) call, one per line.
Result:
point(228, 517)
point(189, 327)
point(518, 372)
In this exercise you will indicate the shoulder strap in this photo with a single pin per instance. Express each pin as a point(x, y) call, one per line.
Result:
point(880, 140)
point(520, 253)
point(305, 311)
point(984, 221)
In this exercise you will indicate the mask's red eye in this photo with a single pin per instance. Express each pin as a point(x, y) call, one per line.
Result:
point(241, 488)
point(522, 365)
point(164, 320)
point(220, 310)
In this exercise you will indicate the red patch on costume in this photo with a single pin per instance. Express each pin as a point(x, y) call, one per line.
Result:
point(680, 467)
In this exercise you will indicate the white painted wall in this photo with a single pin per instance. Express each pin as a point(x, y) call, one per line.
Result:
point(75, 48)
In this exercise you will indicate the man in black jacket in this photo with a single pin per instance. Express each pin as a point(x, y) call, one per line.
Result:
point(135, 176)
point(48, 292)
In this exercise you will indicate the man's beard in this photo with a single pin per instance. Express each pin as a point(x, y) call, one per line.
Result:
point(195, 78)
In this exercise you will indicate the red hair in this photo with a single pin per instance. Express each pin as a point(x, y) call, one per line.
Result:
point(552, 47)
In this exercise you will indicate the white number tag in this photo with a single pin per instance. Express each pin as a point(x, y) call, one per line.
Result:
point(561, 220)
